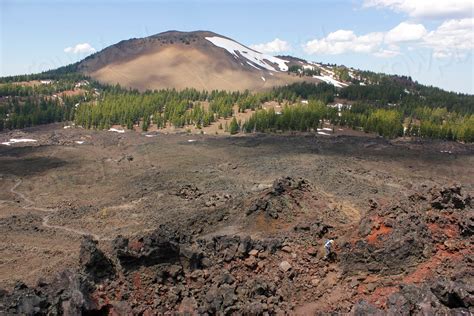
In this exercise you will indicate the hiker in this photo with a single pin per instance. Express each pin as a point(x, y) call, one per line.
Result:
point(327, 246)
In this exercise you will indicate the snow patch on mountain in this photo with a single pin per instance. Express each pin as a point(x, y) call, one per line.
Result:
point(332, 81)
point(237, 50)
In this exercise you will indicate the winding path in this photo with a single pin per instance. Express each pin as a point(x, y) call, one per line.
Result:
point(47, 213)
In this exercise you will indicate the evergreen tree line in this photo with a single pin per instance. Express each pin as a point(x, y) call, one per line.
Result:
point(304, 90)
point(429, 123)
point(12, 89)
point(117, 106)
point(292, 118)
point(309, 117)
point(24, 106)
point(426, 111)
point(406, 94)
point(30, 111)
point(450, 127)
point(425, 122)
point(384, 122)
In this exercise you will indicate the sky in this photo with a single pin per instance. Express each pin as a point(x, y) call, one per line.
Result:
point(432, 41)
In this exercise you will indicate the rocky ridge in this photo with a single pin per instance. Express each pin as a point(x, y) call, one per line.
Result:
point(408, 256)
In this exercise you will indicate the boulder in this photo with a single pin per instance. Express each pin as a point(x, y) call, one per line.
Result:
point(454, 294)
point(284, 266)
point(449, 198)
point(466, 224)
point(94, 262)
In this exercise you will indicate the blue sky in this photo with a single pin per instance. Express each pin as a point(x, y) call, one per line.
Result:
point(432, 41)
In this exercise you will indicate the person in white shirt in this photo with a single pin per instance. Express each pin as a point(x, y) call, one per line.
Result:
point(328, 247)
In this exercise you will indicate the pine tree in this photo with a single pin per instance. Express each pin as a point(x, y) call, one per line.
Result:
point(145, 124)
point(234, 126)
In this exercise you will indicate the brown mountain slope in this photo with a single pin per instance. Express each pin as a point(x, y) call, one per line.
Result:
point(201, 60)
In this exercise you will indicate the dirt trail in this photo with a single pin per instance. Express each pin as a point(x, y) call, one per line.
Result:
point(48, 212)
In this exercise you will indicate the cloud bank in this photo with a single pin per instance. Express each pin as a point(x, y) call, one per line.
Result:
point(453, 38)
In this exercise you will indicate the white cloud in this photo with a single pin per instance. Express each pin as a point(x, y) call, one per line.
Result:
point(427, 9)
point(453, 38)
point(341, 35)
point(84, 48)
point(405, 32)
point(343, 41)
point(369, 42)
point(275, 46)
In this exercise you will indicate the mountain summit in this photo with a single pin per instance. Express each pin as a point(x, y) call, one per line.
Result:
point(202, 60)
